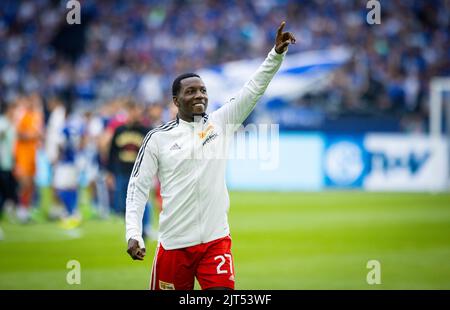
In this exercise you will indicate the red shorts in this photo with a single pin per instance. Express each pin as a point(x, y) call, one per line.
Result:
point(211, 263)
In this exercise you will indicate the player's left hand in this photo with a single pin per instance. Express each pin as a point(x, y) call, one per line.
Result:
point(283, 39)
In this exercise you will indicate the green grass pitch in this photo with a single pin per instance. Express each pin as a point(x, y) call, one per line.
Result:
point(280, 241)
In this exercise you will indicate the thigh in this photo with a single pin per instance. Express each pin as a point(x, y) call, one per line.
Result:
point(173, 270)
point(216, 268)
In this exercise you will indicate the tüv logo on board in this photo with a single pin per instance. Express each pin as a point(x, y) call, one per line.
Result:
point(351, 162)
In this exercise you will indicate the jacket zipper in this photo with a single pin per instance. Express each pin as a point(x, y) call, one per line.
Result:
point(197, 186)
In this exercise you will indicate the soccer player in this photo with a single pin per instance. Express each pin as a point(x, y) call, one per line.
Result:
point(66, 170)
point(194, 237)
point(29, 133)
point(122, 154)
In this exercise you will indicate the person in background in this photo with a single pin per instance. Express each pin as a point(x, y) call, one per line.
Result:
point(55, 127)
point(92, 174)
point(66, 177)
point(53, 140)
point(29, 135)
point(123, 151)
point(8, 184)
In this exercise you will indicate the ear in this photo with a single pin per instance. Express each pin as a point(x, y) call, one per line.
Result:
point(175, 101)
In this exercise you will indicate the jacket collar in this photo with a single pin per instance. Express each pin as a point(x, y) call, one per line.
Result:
point(203, 120)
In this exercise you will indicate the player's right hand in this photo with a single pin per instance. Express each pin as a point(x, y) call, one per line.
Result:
point(135, 251)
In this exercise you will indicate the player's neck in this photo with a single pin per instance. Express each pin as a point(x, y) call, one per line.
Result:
point(193, 118)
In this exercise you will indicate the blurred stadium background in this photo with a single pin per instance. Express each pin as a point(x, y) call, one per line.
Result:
point(360, 171)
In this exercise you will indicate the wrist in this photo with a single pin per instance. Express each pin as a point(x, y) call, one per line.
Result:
point(280, 52)
point(275, 54)
point(138, 239)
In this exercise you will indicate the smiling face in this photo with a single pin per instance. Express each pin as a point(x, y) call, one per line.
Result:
point(192, 99)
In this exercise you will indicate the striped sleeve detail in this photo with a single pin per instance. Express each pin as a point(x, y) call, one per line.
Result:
point(140, 156)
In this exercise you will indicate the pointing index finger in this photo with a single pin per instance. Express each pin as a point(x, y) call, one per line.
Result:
point(280, 29)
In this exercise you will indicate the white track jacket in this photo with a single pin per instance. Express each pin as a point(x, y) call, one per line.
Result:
point(189, 159)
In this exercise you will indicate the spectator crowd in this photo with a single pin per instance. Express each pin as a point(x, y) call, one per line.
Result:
point(65, 89)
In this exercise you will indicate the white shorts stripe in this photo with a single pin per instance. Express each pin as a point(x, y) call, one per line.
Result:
point(153, 277)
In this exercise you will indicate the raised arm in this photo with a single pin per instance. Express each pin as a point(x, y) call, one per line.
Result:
point(283, 39)
point(144, 170)
point(239, 107)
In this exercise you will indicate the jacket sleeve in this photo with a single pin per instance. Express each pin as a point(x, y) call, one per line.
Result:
point(141, 180)
point(237, 109)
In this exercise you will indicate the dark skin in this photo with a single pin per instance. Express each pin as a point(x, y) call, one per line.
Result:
point(134, 250)
point(283, 39)
point(192, 100)
point(134, 117)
